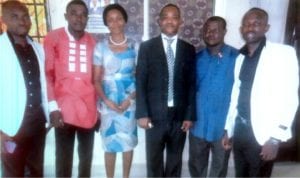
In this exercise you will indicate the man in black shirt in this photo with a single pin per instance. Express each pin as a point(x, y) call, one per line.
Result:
point(23, 96)
point(264, 98)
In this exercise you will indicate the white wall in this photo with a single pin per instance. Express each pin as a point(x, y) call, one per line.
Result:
point(277, 10)
point(56, 10)
point(233, 11)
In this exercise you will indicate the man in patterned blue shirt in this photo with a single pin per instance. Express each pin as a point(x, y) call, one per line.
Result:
point(215, 65)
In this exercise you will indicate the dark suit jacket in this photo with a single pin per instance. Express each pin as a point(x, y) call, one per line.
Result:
point(152, 81)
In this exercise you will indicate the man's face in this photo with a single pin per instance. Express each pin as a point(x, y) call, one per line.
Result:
point(169, 21)
point(17, 20)
point(213, 33)
point(76, 17)
point(254, 26)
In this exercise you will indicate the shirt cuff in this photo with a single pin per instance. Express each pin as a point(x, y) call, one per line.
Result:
point(53, 106)
point(281, 133)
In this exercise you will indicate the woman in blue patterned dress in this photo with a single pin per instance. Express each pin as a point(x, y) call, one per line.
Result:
point(114, 67)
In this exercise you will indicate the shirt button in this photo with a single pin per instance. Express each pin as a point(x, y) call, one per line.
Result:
point(31, 94)
point(28, 61)
point(30, 105)
point(30, 83)
point(29, 72)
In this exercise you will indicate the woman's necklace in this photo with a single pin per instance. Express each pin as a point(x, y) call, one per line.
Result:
point(118, 44)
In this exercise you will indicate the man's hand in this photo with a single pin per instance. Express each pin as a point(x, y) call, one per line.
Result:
point(145, 123)
point(270, 149)
point(226, 142)
point(4, 138)
point(56, 119)
point(186, 125)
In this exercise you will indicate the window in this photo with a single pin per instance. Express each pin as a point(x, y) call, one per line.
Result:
point(37, 11)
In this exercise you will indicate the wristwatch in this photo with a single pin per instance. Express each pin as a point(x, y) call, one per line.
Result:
point(274, 141)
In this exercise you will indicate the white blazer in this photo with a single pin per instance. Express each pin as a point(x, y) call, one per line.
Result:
point(13, 89)
point(274, 95)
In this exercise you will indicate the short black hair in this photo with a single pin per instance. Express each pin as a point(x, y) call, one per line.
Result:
point(117, 7)
point(217, 19)
point(169, 5)
point(77, 2)
point(260, 12)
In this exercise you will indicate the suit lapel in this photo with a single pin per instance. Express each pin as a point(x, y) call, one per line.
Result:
point(178, 57)
point(161, 52)
point(160, 48)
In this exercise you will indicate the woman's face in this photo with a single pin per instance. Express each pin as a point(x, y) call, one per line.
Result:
point(115, 21)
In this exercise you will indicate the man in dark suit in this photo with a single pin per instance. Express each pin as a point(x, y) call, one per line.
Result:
point(165, 78)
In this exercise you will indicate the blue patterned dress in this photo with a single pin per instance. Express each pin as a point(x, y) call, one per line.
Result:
point(118, 131)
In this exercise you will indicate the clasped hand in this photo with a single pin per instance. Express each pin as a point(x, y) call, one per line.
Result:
point(118, 108)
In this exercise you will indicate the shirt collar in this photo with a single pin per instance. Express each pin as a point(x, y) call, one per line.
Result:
point(71, 37)
point(244, 49)
point(220, 54)
point(164, 36)
point(12, 40)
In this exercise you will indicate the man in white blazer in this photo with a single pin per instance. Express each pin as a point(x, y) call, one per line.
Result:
point(23, 100)
point(264, 98)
